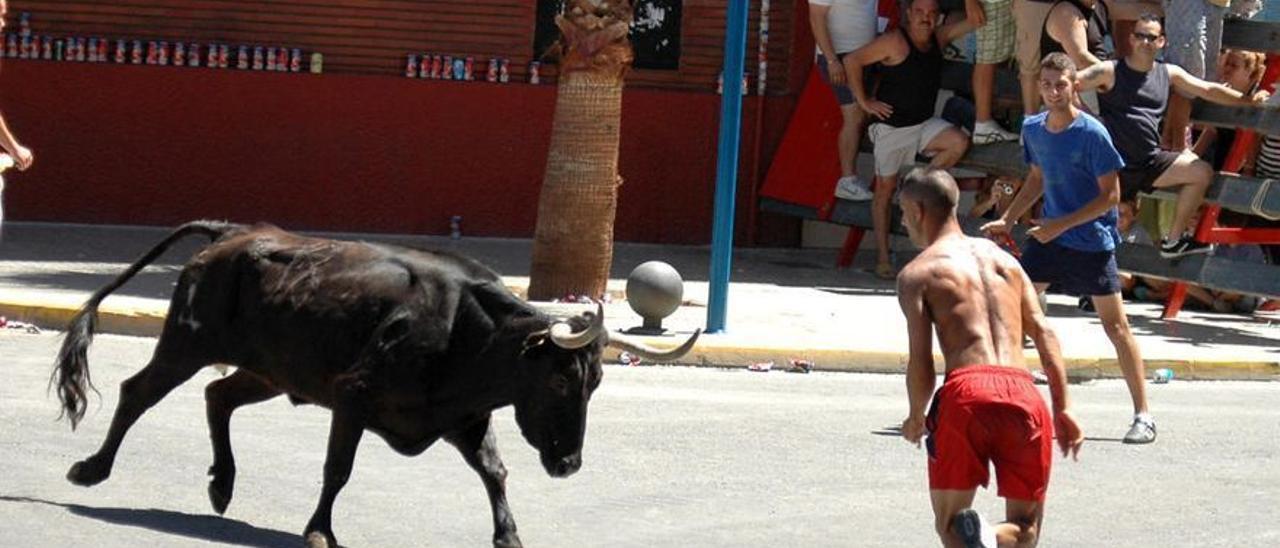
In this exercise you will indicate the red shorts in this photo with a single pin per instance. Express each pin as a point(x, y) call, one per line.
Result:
point(987, 413)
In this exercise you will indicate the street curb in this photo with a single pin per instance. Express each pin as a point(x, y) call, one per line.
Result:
point(142, 317)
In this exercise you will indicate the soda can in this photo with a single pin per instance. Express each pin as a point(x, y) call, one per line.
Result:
point(317, 63)
point(193, 54)
point(102, 50)
point(57, 50)
point(242, 57)
point(1162, 375)
point(271, 58)
point(136, 54)
point(224, 55)
point(257, 58)
point(504, 70)
point(492, 74)
point(469, 68)
point(93, 50)
point(446, 68)
point(534, 77)
point(424, 66)
point(47, 48)
point(24, 47)
point(80, 45)
point(411, 66)
point(295, 60)
point(162, 56)
point(459, 68)
point(436, 62)
point(179, 54)
point(282, 60)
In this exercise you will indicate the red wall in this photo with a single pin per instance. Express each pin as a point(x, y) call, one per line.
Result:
point(159, 146)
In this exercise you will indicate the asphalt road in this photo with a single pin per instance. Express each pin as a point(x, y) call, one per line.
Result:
point(674, 457)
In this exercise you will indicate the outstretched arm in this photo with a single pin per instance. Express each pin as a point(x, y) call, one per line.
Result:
point(1210, 91)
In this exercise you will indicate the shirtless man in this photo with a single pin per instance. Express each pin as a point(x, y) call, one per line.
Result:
point(979, 301)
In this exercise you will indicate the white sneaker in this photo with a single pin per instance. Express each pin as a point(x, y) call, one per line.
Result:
point(989, 132)
point(851, 188)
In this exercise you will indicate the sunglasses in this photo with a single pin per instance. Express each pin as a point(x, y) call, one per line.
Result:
point(1146, 37)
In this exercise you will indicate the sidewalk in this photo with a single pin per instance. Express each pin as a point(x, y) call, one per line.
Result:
point(783, 303)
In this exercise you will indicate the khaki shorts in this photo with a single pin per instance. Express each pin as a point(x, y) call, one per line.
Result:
point(1028, 20)
point(995, 39)
point(896, 147)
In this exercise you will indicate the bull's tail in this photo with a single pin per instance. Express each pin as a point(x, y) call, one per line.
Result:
point(71, 372)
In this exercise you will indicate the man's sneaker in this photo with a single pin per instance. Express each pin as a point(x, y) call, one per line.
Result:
point(1143, 431)
point(972, 530)
point(850, 188)
point(1186, 245)
point(989, 132)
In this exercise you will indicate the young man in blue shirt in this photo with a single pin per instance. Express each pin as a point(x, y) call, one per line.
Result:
point(1075, 167)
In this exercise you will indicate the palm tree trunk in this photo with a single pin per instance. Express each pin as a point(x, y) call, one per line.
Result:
point(573, 241)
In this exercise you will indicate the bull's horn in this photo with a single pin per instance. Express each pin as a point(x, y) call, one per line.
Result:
point(623, 342)
point(563, 336)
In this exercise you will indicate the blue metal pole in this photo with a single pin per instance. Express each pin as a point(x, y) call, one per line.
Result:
point(735, 49)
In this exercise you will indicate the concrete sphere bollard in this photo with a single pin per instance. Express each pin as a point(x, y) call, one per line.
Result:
point(654, 291)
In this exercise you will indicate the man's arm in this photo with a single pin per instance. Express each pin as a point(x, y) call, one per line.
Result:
point(22, 156)
point(949, 32)
point(1210, 91)
point(822, 36)
point(884, 48)
point(1069, 435)
point(1108, 196)
point(1068, 27)
point(1032, 189)
point(1100, 77)
point(920, 371)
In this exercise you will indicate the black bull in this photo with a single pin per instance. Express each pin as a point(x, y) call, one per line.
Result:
point(412, 345)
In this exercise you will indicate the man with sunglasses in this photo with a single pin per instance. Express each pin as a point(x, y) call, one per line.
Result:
point(1133, 94)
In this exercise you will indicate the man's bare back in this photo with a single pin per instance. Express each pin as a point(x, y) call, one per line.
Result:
point(974, 293)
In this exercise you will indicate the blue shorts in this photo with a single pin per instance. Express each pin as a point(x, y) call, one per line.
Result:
point(1071, 271)
point(844, 95)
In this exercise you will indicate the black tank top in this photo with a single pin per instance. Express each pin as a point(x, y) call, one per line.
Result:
point(1132, 109)
point(1098, 27)
point(911, 87)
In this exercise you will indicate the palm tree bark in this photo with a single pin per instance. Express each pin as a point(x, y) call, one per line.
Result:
point(573, 241)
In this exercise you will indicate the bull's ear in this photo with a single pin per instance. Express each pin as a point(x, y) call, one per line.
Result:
point(533, 343)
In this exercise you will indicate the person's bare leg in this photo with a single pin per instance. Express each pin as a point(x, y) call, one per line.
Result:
point(1021, 527)
point(984, 79)
point(881, 206)
point(1193, 175)
point(946, 503)
point(1111, 313)
point(1030, 93)
point(849, 137)
point(946, 148)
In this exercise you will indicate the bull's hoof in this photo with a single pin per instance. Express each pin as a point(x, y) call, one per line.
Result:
point(221, 487)
point(88, 472)
point(316, 539)
point(219, 497)
point(509, 540)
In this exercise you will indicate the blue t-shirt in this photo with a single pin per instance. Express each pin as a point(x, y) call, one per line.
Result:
point(1071, 161)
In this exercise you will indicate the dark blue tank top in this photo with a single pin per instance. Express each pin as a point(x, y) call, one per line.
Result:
point(1132, 109)
point(911, 86)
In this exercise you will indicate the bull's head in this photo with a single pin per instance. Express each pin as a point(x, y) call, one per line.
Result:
point(563, 369)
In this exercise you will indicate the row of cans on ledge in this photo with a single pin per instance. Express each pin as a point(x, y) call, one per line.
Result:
point(101, 50)
point(448, 67)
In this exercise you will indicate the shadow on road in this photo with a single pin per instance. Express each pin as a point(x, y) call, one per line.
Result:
point(203, 527)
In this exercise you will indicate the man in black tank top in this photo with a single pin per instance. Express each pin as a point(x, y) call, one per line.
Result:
point(902, 120)
point(1133, 93)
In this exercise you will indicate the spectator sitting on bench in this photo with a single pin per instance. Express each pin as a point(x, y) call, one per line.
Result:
point(903, 123)
point(1133, 94)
